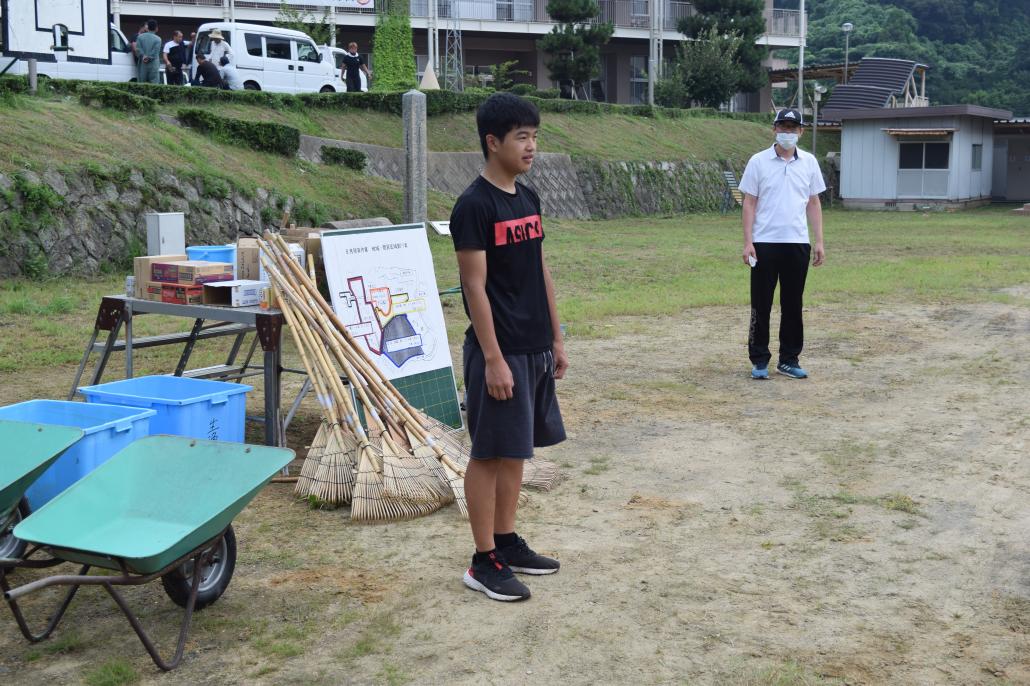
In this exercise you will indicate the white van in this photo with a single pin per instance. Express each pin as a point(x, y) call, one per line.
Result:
point(273, 59)
point(122, 67)
point(335, 57)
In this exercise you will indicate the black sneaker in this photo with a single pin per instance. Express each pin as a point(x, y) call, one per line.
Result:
point(521, 558)
point(494, 578)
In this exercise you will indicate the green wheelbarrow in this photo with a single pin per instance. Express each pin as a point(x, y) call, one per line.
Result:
point(162, 508)
point(29, 449)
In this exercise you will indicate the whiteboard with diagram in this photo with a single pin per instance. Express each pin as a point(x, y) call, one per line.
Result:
point(383, 288)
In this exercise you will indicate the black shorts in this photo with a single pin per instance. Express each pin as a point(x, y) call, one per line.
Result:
point(512, 428)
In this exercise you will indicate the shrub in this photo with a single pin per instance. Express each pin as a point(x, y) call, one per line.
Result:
point(548, 94)
point(117, 99)
point(14, 84)
point(258, 135)
point(393, 53)
point(524, 89)
point(352, 159)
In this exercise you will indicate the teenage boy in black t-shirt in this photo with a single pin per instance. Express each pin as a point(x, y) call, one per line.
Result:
point(513, 350)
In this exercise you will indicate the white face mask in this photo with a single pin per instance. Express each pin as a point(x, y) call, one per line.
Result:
point(787, 141)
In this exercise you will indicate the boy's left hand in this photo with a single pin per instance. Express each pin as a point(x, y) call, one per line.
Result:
point(561, 361)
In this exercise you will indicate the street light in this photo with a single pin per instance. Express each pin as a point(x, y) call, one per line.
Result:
point(816, 97)
point(847, 28)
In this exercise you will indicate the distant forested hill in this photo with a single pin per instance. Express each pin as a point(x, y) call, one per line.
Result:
point(979, 50)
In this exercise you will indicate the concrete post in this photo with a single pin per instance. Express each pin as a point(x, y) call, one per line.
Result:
point(415, 156)
point(33, 76)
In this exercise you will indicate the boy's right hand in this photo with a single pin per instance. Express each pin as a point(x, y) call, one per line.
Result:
point(499, 382)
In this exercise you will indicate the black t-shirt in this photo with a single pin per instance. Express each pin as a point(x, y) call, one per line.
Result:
point(353, 63)
point(508, 227)
point(207, 75)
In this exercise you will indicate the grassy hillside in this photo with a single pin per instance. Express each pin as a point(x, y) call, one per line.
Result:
point(43, 133)
point(608, 136)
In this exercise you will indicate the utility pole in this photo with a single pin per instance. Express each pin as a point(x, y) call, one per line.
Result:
point(654, 67)
point(801, 60)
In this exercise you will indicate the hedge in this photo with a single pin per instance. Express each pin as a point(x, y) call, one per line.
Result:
point(346, 157)
point(117, 99)
point(437, 102)
point(258, 135)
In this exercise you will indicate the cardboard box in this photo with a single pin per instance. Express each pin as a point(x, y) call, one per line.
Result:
point(182, 295)
point(191, 272)
point(151, 290)
point(238, 293)
point(248, 260)
point(141, 270)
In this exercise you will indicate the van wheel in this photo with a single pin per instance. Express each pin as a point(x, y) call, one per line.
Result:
point(251, 86)
point(327, 89)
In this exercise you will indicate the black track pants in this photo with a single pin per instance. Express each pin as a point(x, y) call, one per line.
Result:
point(788, 264)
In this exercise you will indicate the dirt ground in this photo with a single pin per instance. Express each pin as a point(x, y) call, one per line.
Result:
point(865, 526)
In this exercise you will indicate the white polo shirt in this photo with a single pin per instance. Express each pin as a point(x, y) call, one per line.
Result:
point(783, 188)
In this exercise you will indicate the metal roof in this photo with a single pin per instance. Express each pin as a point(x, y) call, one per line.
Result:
point(921, 112)
point(884, 72)
point(853, 97)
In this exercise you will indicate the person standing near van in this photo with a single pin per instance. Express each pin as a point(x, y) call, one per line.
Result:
point(175, 54)
point(220, 52)
point(148, 52)
point(353, 65)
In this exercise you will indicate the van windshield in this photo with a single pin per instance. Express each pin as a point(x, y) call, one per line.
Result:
point(118, 43)
point(204, 41)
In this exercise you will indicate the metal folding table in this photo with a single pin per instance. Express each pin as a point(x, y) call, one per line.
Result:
point(118, 310)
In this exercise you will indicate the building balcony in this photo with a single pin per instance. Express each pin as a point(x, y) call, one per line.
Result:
point(624, 14)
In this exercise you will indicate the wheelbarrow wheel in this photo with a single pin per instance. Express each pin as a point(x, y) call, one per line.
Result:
point(214, 578)
point(10, 547)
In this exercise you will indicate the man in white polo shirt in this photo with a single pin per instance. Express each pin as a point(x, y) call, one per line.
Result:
point(781, 187)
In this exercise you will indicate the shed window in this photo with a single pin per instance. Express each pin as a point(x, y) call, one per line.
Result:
point(923, 156)
point(978, 157)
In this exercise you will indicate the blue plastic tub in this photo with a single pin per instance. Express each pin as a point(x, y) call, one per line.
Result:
point(198, 408)
point(214, 253)
point(107, 429)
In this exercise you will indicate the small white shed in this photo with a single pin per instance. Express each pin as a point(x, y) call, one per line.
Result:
point(913, 157)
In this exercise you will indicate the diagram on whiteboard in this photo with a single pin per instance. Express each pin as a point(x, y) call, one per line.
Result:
point(387, 310)
point(384, 290)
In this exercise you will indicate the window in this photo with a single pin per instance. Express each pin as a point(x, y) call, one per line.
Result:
point(253, 41)
point(204, 41)
point(924, 156)
point(278, 48)
point(923, 170)
point(978, 157)
point(118, 43)
point(307, 52)
point(60, 37)
point(638, 79)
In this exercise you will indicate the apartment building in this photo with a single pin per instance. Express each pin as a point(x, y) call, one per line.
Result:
point(492, 31)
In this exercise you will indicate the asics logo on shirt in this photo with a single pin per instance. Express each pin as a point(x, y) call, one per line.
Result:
point(518, 230)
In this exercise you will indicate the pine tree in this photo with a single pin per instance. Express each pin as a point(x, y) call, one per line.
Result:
point(574, 44)
point(741, 18)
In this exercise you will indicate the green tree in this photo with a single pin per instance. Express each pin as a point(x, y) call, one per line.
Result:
point(703, 71)
point(393, 55)
point(319, 28)
point(740, 18)
point(574, 44)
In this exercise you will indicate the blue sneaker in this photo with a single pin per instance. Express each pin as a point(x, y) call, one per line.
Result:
point(791, 370)
point(760, 372)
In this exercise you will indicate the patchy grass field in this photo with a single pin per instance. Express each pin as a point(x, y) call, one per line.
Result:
point(866, 526)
